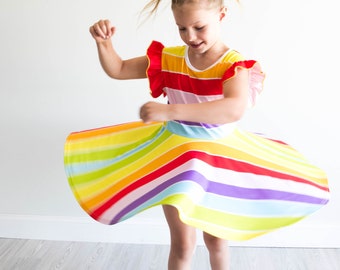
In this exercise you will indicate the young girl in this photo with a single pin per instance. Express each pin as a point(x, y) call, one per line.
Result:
point(188, 154)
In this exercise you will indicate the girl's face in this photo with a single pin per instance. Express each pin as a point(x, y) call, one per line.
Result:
point(198, 24)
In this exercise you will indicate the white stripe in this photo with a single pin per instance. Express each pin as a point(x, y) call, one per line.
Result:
point(250, 180)
point(179, 96)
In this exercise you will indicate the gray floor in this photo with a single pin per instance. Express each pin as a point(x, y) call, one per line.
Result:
point(40, 255)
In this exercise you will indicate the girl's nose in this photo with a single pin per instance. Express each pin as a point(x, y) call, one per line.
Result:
point(191, 36)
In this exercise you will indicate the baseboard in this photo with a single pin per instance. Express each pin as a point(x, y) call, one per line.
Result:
point(150, 231)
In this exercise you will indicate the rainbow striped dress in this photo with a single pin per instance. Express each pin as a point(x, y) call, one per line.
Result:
point(225, 181)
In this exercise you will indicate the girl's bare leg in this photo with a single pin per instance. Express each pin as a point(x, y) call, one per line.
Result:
point(218, 252)
point(183, 240)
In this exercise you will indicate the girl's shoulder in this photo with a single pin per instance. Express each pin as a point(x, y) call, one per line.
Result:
point(175, 51)
point(157, 48)
point(232, 56)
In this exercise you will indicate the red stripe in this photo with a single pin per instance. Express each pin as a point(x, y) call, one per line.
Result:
point(215, 161)
point(153, 72)
point(231, 72)
point(193, 85)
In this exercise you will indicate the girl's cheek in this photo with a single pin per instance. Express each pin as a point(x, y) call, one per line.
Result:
point(182, 36)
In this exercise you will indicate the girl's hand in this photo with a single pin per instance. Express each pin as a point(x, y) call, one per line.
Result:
point(102, 30)
point(153, 111)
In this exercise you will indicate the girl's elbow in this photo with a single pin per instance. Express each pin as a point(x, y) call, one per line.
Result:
point(234, 116)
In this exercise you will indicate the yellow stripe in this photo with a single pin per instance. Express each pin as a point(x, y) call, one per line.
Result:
point(112, 138)
point(174, 57)
point(272, 155)
point(225, 225)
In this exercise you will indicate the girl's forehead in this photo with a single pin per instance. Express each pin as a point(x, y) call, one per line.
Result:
point(190, 5)
point(206, 3)
point(202, 6)
point(188, 15)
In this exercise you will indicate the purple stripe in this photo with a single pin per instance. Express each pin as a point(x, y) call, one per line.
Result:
point(219, 189)
point(197, 124)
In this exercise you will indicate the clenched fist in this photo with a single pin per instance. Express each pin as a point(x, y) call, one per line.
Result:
point(102, 30)
point(155, 112)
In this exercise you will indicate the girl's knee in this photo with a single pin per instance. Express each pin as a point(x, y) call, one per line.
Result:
point(183, 250)
point(184, 245)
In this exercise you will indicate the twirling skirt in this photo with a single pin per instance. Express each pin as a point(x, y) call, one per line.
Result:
point(237, 187)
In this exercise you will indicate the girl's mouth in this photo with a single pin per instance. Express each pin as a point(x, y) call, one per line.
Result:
point(195, 45)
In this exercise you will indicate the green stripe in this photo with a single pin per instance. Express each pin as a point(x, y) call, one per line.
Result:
point(92, 176)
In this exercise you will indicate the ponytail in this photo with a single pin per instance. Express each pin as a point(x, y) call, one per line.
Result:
point(151, 7)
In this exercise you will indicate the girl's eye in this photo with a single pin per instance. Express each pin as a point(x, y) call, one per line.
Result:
point(182, 29)
point(199, 28)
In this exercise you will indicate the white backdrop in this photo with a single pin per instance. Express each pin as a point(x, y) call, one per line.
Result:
point(51, 84)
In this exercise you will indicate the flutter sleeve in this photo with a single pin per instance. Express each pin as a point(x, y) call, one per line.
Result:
point(154, 70)
point(256, 77)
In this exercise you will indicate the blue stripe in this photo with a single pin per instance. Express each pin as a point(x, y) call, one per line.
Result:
point(200, 131)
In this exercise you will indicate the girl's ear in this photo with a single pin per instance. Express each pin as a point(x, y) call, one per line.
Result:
point(223, 13)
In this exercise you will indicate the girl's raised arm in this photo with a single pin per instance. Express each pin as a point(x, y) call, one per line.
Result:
point(113, 65)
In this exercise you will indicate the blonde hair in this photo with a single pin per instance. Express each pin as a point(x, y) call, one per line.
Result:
point(152, 6)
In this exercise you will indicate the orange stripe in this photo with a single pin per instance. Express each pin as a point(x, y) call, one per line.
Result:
point(106, 130)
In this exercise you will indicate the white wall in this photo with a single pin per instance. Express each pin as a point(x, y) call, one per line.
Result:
point(51, 84)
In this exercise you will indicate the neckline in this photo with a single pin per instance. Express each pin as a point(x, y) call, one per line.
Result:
point(187, 60)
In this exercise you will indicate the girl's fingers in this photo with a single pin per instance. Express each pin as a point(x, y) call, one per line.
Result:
point(102, 29)
point(107, 26)
point(97, 31)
